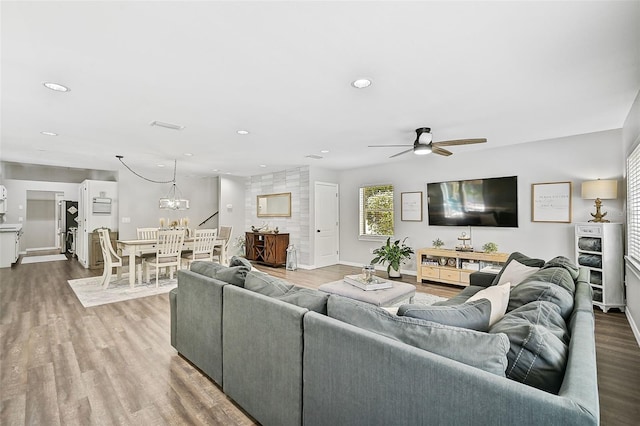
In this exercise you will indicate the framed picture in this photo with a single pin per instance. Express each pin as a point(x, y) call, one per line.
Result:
point(411, 206)
point(551, 202)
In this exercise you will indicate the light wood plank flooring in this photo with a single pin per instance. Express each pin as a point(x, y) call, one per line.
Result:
point(62, 364)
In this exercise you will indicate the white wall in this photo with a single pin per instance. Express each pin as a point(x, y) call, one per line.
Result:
point(139, 202)
point(574, 158)
point(631, 138)
point(232, 208)
point(40, 225)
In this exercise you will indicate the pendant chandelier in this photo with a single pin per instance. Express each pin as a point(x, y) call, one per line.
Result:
point(173, 200)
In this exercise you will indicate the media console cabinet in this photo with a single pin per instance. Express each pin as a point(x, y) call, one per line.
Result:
point(453, 266)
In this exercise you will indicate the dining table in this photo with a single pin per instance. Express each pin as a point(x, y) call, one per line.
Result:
point(137, 247)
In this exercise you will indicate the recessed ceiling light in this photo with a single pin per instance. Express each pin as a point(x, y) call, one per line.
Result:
point(243, 132)
point(228, 173)
point(49, 133)
point(361, 83)
point(314, 156)
point(160, 165)
point(166, 125)
point(263, 165)
point(55, 86)
point(324, 151)
point(188, 154)
point(216, 170)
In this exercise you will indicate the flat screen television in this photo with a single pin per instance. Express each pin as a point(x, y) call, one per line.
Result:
point(474, 202)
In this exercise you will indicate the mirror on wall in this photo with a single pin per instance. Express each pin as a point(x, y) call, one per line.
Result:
point(274, 205)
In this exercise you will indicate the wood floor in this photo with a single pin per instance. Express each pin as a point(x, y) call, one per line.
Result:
point(62, 364)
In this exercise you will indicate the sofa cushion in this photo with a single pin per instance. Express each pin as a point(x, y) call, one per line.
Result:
point(553, 284)
point(240, 261)
point(461, 297)
point(539, 342)
point(515, 272)
point(489, 350)
point(266, 284)
point(473, 315)
point(233, 275)
point(313, 300)
point(522, 259)
point(498, 295)
point(563, 262)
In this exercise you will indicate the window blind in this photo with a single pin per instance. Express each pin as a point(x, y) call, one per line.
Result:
point(633, 204)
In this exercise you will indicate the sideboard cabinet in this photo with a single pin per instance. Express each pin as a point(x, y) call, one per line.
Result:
point(267, 248)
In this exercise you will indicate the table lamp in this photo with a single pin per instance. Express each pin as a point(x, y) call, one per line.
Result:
point(599, 190)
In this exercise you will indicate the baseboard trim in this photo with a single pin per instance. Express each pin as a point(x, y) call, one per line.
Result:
point(632, 323)
point(379, 268)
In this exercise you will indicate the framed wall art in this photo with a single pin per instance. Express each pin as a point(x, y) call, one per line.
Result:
point(551, 202)
point(411, 206)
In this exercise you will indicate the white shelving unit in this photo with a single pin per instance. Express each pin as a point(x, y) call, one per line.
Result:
point(599, 248)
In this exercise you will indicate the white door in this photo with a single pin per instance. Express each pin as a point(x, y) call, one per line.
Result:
point(326, 229)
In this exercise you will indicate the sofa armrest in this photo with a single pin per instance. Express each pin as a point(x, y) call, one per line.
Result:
point(481, 279)
point(199, 322)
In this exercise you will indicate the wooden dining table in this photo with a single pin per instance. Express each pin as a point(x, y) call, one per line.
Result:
point(136, 247)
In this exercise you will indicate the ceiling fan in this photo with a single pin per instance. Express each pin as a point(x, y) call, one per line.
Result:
point(424, 144)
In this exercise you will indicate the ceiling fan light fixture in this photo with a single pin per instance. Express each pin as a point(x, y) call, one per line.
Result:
point(422, 149)
point(424, 135)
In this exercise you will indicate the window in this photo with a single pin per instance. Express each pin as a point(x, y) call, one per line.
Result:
point(376, 211)
point(633, 204)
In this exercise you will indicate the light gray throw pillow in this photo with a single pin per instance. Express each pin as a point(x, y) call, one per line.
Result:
point(473, 315)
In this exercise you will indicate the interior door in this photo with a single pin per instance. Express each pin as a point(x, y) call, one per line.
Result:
point(326, 224)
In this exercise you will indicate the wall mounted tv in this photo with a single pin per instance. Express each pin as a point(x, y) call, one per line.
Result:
point(474, 202)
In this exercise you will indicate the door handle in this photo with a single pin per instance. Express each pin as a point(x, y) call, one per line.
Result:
point(318, 230)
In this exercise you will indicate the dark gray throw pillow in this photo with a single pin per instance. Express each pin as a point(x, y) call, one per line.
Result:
point(539, 345)
point(233, 275)
point(473, 315)
point(524, 259)
point(532, 290)
point(240, 261)
point(266, 284)
point(313, 300)
point(563, 262)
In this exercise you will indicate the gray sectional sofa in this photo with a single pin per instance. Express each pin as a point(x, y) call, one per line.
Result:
point(292, 356)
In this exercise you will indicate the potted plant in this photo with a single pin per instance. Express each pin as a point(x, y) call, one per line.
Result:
point(490, 247)
point(437, 243)
point(393, 254)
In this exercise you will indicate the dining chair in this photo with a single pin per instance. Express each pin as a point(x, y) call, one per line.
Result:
point(167, 255)
point(146, 234)
point(203, 243)
point(110, 257)
point(224, 234)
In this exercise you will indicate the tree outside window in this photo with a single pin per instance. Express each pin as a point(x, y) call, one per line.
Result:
point(376, 210)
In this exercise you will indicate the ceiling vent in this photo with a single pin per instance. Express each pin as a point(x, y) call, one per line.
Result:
point(167, 125)
point(315, 157)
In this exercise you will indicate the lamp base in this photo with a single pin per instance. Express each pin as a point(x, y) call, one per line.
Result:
point(597, 216)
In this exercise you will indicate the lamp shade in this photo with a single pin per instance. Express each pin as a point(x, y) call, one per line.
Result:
point(603, 189)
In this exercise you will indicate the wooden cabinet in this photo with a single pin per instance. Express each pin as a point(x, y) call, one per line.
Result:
point(452, 266)
point(267, 248)
point(95, 251)
point(599, 249)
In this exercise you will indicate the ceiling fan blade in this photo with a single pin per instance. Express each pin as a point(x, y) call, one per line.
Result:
point(403, 152)
point(459, 142)
point(440, 151)
point(388, 146)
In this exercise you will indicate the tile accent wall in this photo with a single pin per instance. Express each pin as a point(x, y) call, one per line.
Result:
point(295, 181)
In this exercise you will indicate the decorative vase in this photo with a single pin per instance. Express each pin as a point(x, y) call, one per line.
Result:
point(394, 273)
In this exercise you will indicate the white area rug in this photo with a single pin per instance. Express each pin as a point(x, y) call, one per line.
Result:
point(90, 293)
point(47, 258)
point(422, 299)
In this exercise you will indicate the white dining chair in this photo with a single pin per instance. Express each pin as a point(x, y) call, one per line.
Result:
point(147, 233)
point(203, 244)
point(224, 235)
point(167, 255)
point(110, 257)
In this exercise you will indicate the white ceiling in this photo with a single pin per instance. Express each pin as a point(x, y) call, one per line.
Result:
point(512, 72)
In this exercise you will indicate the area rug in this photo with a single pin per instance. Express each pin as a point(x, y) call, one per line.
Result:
point(423, 299)
point(90, 293)
point(47, 258)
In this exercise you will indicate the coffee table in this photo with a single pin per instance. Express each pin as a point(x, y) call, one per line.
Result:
point(386, 297)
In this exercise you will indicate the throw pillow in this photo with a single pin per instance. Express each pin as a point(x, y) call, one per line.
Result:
point(207, 269)
point(515, 272)
point(539, 345)
point(266, 284)
point(563, 262)
point(498, 295)
point(524, 259)
point(240, 261)
point(473, 315)
point(233, 275)
point(313, 300)
point(534, 289)
point(486, 351)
